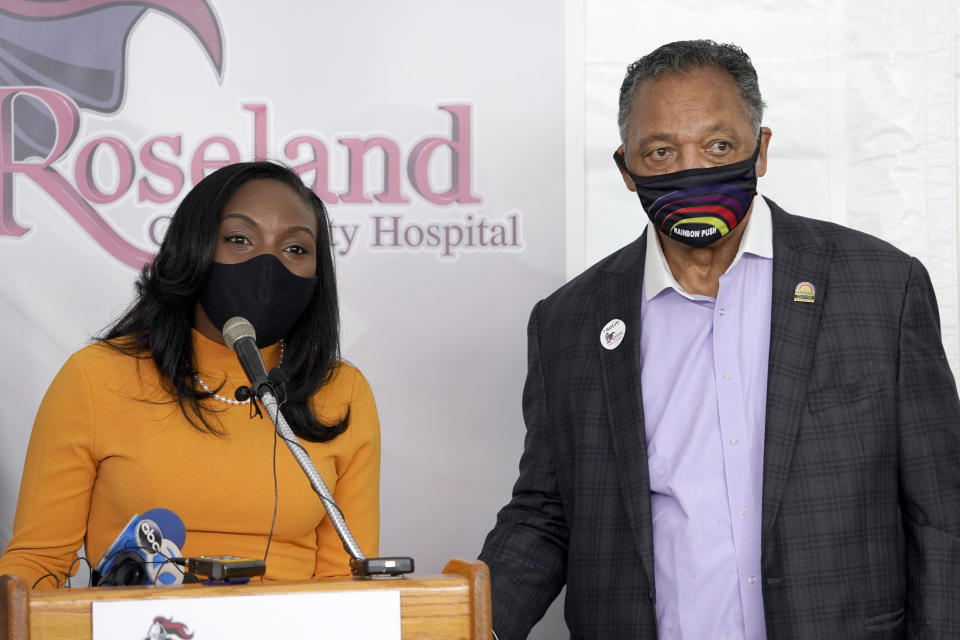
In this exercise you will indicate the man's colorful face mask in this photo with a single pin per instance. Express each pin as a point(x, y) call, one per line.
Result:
point(697, 206)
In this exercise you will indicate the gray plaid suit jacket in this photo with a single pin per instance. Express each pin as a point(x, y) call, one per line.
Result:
point(861, 471)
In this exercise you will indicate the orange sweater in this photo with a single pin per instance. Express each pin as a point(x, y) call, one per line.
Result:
point(108, 443)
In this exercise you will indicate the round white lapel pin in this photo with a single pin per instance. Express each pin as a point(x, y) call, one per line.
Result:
point(612, 334)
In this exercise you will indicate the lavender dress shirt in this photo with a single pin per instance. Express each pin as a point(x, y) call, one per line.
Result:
point(704, 382)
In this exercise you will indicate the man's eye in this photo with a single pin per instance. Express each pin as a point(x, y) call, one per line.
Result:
point(721, 146)
point(660, 153)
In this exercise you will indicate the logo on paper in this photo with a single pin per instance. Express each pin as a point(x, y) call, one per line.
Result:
point(166, 629)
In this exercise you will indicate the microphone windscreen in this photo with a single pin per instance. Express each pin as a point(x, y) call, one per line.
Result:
point(124, 541)
point(236, 328)
point(170, 525)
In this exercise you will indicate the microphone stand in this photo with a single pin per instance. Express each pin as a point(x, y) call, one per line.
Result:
point(240, 336)
point(360, 565)
point(316, 481)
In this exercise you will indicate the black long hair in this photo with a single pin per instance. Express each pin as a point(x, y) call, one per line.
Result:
point(158, 323)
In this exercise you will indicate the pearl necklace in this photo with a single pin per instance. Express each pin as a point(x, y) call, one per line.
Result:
point(224, 399)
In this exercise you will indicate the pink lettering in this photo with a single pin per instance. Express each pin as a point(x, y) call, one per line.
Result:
point(169, 171)
point(199, 163)
point(358, 148)
point(259, 112)
point(418, 163)
point(318, 165)
point(66, 117)
point(83, 170)
point(163, 167)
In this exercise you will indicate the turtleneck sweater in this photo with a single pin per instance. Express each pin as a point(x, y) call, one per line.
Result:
point(108, 442)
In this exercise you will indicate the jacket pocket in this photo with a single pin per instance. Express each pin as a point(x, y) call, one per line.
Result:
point(885, 621)
point(866, 387)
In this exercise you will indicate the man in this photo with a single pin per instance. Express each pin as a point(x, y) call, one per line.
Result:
point(741, 425)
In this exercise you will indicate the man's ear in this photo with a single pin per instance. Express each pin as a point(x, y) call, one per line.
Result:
point(626, 178)
point(765, 135)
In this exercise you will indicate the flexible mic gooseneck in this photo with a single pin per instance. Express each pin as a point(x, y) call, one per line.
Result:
point(239, 335)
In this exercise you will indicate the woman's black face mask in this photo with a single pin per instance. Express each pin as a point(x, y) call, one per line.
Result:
point(261, 290)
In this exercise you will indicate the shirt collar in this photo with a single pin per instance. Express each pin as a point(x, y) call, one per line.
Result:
point(757, 239)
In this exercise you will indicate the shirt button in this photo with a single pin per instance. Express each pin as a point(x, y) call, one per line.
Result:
point(722, 311)
point(725, 376)
point(752, 579)
point(734, 441)
point(742, 511)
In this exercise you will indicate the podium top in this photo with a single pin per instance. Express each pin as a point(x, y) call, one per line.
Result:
point(452, 606)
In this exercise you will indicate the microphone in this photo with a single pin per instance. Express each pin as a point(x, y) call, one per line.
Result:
point(142, 551)
point(239, 335)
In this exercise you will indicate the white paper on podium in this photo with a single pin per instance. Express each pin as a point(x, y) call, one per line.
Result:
point(353, 615)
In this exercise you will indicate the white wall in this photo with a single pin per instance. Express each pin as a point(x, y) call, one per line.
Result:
point(862, 100)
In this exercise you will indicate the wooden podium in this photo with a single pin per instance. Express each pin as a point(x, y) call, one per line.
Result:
point(453, 605)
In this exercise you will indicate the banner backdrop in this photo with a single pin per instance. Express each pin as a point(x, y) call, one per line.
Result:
point(440, 155)
point(436, 133)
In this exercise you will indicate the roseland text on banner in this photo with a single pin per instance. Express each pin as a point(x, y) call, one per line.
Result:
point(392, 197)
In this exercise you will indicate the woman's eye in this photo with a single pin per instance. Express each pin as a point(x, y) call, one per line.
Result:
point(237, 239)
point(297, 250)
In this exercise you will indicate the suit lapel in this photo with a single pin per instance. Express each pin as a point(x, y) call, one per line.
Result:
point(618, 296)
point(798, 257)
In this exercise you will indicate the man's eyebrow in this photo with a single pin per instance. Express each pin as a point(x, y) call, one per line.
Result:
point(718, 127)
point(657, 136)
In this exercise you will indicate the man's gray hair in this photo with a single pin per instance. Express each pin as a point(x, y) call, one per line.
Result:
point(684, 55)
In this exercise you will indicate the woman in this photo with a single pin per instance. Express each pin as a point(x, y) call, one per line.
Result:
point(147, 416)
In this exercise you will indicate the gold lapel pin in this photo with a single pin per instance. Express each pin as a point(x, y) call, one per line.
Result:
point(805, 292)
